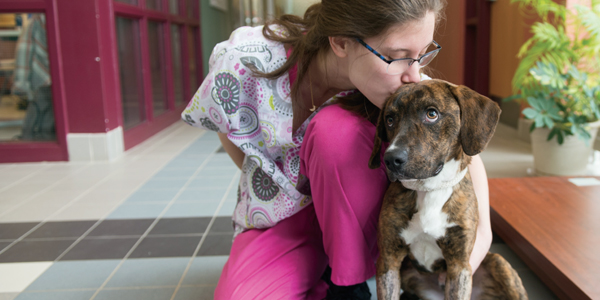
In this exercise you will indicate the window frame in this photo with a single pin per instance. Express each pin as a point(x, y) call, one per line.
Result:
point(56, 150)
point(154, 123)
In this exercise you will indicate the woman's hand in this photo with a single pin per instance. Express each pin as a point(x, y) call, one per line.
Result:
point(483, 239)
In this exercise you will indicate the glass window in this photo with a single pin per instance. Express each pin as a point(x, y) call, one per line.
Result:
point(130, 70)
point(177, 68)
point(192, 54)
point(26, 108)
point(154, 4)
point(132, 2)
point(174, 6)
point(157, 67)
point(192, 8)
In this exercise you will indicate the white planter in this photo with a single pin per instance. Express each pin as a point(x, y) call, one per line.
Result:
point(569, 159)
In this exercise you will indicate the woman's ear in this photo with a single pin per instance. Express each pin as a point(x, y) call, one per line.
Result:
point(340, 45)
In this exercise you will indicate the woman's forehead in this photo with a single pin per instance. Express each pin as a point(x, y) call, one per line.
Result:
point(412, 36)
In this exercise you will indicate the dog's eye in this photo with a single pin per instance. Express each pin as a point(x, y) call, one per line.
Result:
point(390, 121)
point(431, 115)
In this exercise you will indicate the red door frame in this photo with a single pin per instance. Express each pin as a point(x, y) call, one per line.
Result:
point(152, 124)
point(105, 112)
point(477, 45)
point(42, 151)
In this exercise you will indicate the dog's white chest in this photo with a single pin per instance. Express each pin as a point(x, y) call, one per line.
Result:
point(427, 225)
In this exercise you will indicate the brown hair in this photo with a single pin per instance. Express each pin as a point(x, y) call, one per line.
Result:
point(349, 18)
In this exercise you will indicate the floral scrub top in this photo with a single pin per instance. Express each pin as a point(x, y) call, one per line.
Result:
point(256, 114)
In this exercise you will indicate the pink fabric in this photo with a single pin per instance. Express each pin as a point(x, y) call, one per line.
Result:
point(286, 261)
point(347, 195)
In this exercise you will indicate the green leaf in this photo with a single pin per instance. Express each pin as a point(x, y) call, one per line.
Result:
point(553, 112)
point(530, 113)
point(560, 137)
point(590, 19)
point(513, 97)
point(535, 103)
point(552, 133)
point(539, 121)
point(548, 121)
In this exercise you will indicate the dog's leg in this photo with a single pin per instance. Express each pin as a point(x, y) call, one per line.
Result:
point(459, 281)
point(393, 219)
point(388, 273)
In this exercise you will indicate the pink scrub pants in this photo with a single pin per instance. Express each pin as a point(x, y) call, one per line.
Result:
point(339, 228)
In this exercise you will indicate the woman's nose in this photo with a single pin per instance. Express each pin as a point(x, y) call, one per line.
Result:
point(412, 74)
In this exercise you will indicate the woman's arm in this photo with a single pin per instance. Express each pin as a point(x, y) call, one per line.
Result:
point(234, 152)
point(483, 239)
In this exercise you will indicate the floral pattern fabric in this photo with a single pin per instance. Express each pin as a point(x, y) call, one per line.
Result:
point(256, 114)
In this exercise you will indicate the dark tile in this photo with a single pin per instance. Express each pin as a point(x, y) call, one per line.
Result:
point(61, 229)
point(216, 244)
point(222, 225)
point(180, 225)
point(24, 251)
point(166, 247)
point(13, 231)
point(95, 248)
point(3, 245)
point(496, 239)
point(121, 227)
point(221, 150)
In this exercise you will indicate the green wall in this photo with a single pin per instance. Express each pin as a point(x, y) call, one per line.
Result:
point(216, 26)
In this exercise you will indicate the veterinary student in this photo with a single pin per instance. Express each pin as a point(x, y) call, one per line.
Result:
point(295, 104)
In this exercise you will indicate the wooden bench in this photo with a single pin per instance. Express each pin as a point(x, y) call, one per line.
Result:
point(554, 227)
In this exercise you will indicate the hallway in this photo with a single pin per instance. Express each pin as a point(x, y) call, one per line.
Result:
point(154, 224)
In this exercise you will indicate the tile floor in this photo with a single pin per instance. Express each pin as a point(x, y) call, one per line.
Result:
point(154, 224)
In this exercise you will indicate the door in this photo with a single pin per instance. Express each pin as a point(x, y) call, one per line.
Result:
point(477, 45)
point(32, 121)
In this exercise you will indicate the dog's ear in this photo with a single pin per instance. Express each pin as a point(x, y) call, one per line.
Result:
point(380, 137)
point(478, 117)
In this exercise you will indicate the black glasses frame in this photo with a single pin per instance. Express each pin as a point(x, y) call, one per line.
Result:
point(411, 61)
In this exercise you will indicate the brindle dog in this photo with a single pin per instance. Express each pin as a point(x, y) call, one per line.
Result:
point(430, 212)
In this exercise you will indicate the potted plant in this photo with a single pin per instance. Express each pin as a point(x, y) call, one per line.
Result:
point(559, 77)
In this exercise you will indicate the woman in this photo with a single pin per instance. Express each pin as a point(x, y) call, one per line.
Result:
point(295, 103)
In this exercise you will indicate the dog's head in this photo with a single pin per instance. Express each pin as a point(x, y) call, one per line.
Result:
point(430, 123)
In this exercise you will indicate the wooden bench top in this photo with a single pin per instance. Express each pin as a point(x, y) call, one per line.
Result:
point(554, 227)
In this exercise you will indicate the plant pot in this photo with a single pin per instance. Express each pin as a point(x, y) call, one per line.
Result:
point(569, 159)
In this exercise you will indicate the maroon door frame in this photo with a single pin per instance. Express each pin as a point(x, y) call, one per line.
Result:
point(42, 151)
point(85, 70)
point(153, 124)
point(477, 45)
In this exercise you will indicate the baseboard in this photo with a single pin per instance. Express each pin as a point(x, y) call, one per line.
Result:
point(95, 146)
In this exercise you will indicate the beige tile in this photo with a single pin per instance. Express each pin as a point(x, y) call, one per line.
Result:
point(15, 277)
point(121, 184)
point(84, 211)
point(13, 194)
point(70, 186)
point(101, 196)
point(29, 213)
point(8, 296)
point(29, 188)
point(55, 197)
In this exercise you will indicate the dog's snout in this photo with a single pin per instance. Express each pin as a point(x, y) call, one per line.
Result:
point(395, 160)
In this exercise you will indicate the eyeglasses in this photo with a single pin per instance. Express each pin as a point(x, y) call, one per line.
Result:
point(400, 65)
